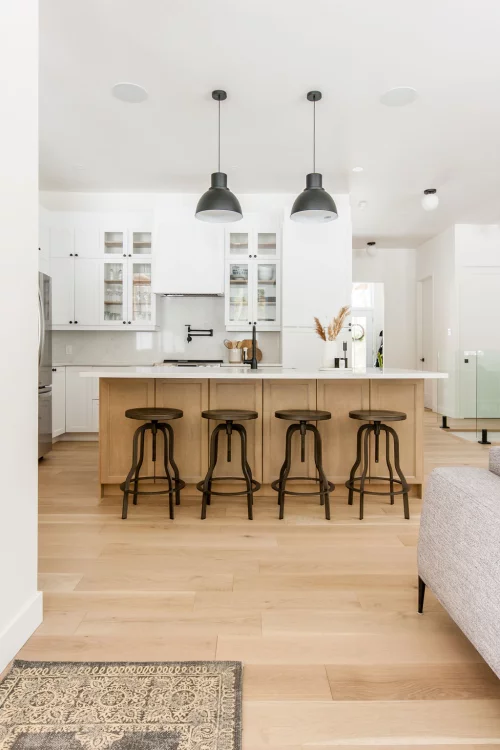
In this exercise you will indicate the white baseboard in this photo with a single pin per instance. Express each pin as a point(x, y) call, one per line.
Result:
point(68, 437)
point(20, 629)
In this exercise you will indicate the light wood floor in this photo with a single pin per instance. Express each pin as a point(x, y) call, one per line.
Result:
point(323, 615)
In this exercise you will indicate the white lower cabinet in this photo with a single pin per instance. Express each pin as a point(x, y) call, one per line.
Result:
point(79, 398)
point(58, 401)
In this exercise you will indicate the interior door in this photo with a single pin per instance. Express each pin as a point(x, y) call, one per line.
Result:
point(427, 316)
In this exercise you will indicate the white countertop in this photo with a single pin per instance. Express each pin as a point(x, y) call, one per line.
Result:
point(272, 373)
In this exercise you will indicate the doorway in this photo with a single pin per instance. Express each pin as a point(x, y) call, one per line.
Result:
point(426, 325)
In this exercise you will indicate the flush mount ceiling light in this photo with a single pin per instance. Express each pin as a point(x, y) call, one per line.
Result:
point(371, 249)
point(430, 199)
point(314, 204)
point(399, 96)
point(131, 93)
point(218, 205)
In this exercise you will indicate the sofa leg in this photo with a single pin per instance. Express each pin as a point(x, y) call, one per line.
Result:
point(421, 595)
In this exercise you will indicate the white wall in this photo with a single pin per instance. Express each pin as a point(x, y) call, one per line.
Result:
point(436, 259)
point(396, 269)
point(20, 603)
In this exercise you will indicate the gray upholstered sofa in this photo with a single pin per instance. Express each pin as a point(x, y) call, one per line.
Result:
point(459, 551)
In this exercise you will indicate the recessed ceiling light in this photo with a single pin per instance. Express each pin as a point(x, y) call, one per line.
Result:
point(362, 205)
point(131, 93)
point(399, 96)
point(357, 169)
point(78, 166)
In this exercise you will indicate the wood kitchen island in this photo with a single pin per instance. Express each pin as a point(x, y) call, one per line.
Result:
point(196, 389)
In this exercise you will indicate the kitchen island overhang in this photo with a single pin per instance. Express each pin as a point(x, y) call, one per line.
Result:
point(266, 390)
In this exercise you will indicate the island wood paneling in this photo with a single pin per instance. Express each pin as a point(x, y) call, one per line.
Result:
point(406, 396)
point(116, 431)
point(286, 394)
point(190, 432)
point(339, 433)
point(239, 394)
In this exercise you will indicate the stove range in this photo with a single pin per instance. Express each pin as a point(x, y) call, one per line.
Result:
point(193, 362)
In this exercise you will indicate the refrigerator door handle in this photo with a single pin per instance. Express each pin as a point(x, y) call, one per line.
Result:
point(41, 329)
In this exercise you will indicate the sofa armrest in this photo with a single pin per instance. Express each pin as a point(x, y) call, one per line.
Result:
point(495, 460)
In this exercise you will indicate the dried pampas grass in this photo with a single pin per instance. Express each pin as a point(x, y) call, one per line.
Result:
point(334, 326)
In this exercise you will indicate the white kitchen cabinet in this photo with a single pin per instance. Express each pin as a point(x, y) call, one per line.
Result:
point(253, 278)
point(140, 244)
point(188, 258)
point(126, 298)
point(95, 415)
point(87, 239)
point(43, 241)
point(86, 285)
point(62, 242)
point(58, 401)
point(63, 291)
point(79, 407)
point(113, 293)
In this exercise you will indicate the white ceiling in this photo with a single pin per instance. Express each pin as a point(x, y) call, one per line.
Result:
point(267, 54)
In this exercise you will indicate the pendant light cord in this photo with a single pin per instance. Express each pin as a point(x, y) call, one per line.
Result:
point(218, 169)
point(314, 136)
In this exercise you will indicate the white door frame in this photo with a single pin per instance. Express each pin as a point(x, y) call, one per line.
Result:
point(432, 365)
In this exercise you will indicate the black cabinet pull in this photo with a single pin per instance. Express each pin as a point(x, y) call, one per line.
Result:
point(130, 255)
point(54, 369)
point(124, 255)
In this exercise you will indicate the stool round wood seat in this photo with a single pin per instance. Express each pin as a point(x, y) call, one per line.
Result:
point(231, 418)
point(302, 415)
point(154, 414)
point(155, 420)
point(374, 425)
point(229, 415)
point(377, 415)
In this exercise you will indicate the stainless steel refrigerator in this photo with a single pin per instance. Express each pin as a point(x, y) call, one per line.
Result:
point(44, 365)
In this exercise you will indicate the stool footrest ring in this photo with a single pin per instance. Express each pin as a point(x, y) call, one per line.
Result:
point(177, 484)
point(255, 486)
point(276, 486)
point(350, 484)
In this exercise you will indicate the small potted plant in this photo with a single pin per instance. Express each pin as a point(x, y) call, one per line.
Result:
point(329, 335)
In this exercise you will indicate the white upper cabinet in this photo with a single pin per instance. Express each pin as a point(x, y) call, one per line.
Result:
point(188, 258)
point(253, 276)
point(87, 241)
point(63, 291)
point(62, 242)
point(87, 272)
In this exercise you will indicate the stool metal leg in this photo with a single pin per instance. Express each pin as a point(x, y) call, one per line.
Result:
point(399, 472)
point(207, 484)
point(365, 471)
point(358, 460)
point(244, 466)
point(388, 460)
point(285, 469)
point(132, 470)
point(162, 429)
point(141, 461)
point(172, 462)
point(318, 460)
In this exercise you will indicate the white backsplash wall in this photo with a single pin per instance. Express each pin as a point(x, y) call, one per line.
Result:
point(143, 348)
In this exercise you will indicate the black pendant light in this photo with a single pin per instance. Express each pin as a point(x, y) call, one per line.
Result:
point(219, 204)
point(314, 204)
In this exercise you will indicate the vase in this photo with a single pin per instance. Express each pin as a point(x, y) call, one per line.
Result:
point(330, 351)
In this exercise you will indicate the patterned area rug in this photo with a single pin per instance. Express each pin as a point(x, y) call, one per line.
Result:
point(96, 706)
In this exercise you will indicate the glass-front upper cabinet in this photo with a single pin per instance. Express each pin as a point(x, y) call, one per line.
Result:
point(140, 243)
point(267, 244)
point(238, 310)
point(141, 298)
point(238, 243)
point(114, 242)
point(113, 293)
point(267, 300)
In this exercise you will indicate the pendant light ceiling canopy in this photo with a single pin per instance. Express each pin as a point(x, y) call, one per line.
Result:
point(218, 205)
point(314, 205)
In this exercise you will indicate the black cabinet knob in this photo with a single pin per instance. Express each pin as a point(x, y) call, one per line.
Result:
point(76, 322)
point(71, 255)
point(124, 322)
point(70, 321)
point(130, 322)
point(130, 255)
point(54, 369)
point(76, 255)
point(124, 255)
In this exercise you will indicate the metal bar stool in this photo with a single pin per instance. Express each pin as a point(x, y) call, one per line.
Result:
point(156, 420)
point(375, 426)
point(230, 417)
point(303, 417)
